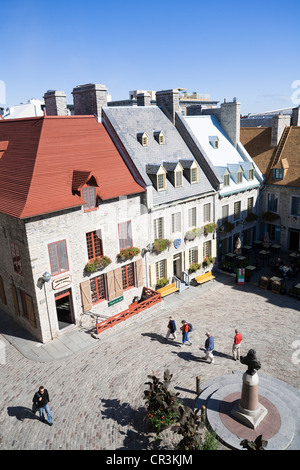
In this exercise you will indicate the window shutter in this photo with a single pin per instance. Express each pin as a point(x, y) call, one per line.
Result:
point(111, 292)
point(2, 292)
point(139, 272)
point(118, 282)
point(29, 305)
point(86, 296)
point(15, 299)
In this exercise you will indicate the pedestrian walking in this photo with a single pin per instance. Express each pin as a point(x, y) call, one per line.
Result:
point(185, 332)
point(171, 328)
point(209, 347)
point(236, 347)
point(41, 402)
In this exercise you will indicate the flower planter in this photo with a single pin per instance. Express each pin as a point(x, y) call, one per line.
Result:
point(161, 244)
point(97, 264)
point(128, 253)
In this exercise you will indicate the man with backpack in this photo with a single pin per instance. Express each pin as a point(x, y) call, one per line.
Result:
point(186, 329)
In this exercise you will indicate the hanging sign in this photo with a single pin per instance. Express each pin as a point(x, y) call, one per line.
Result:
point(177, 242)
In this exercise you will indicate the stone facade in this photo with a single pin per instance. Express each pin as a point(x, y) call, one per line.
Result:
point(55, 102)
point(89, 99)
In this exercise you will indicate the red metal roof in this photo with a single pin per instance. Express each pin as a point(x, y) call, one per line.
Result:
point(44, 153)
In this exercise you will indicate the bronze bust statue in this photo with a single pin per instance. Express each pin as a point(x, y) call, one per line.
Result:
point(251, 361)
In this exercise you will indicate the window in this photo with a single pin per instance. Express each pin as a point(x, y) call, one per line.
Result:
point(225, 213)
point(251, 174)
point(206, 213)
point(94, 244)
point(98, 292)
point(226, 179)
point(89, 195)
point(158, 228)
point(250, 204)
point(278, 173)
point(159, 136)
point(239, 177)
point(160, 269)
point(207, 249)
point(58, 257)
point(193, 255)
point(237, 210)
point(176, 222)
point(272, 202)
point(192, 217)
point(194, 175)
point(125, 235)
point(178, 179)
point(128, 276)
point(295, 206)
point(16, 258)
point(161, 182)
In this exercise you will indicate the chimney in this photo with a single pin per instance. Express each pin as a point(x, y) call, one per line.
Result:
point(295, 116)
point(168, 101)
point(230, 120)
point(194, 110)
point(55, 103)
point(279, 123)
point(89, 99)
point(143, 99)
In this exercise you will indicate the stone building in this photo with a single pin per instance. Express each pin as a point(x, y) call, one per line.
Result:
point(180, 195)
point(275, 148)
point(68, 206)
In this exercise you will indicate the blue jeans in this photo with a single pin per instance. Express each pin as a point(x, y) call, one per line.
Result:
point(185, 337)
point(47, 409)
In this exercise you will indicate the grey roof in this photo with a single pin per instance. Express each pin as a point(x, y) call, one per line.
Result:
point(128, 122)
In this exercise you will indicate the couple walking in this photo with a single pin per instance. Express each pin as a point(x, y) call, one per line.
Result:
point(185, 328)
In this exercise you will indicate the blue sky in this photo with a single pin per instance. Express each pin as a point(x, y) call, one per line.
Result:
point(248, 50)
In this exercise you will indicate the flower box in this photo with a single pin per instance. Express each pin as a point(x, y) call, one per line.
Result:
point(161, 244)
point(97, 264)
point(128, 253)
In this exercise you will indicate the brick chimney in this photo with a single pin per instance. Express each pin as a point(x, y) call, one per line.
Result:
point(230, 117)
point(143, 99)
point(89, 99)
point(55, 103)
point(168, 101)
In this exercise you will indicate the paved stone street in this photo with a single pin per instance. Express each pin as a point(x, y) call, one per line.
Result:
point(97, 394)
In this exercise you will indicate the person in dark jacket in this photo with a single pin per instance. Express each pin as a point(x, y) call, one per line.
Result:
point(41, 400)
point(209, 347)
point(171, 328)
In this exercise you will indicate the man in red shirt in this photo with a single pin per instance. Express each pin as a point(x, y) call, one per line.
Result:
point(236, 345)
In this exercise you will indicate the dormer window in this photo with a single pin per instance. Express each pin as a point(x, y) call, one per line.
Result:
point(251, 174)
point(157, 175)
point(143, 138)
point(178, 178)
point(226, 178)
point(159, 136)
point(190, 170)
point(194, 175)
point(90, 198)
point(278, 173)
point(161, 182)
point(214, 141)
point(239, 176)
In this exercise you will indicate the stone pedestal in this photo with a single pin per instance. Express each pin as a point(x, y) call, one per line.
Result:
point(249, 411)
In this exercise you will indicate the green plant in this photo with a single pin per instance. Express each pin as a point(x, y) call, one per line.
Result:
point(162, 282)
point(208, 260)
point(227, 227)
point(209, 228)
point(188, 426)
point(269, 216)
point(161, 244)
point(97, 264)
point(127, 253)
point(251, 217)
point(194, 267)
point(162, 404)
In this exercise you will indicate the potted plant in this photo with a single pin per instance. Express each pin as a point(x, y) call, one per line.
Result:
point(208, 260)
point(162, 282)
point(128, 253)
point(194, 267)
point(251, 217)
point(96, 264)
point(227, 227)
point(209, 228)
point(161, 244)
point(269, 216)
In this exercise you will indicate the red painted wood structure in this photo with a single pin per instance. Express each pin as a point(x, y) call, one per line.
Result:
point(151, 298)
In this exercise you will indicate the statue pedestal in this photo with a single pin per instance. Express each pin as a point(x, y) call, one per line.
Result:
point(249, 411)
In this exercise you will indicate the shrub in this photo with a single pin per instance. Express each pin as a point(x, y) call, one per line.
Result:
point(194, 267)
point(162, 282)
point(127, 253)
point(161, 244)
point(209, 228)
point(97, 264)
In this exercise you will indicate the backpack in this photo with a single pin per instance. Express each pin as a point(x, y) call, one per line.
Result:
point(190, 327)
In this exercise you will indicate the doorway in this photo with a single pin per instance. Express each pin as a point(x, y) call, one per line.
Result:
point(64, 308)
point(177, 265)
point(294, 242)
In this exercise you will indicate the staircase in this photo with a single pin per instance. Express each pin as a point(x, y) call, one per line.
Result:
point(280, 147)
point(184, 282)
